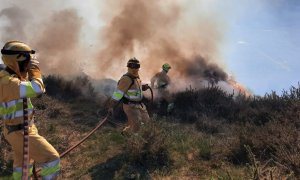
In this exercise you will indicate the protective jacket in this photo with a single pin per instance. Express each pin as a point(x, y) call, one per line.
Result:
point(129, 90)
point(12, 92)
point(160, 80)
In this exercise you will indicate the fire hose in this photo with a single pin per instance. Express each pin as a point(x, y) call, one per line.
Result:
point(100, 123)
point(82, 140)
point(151, 94)
point(25, 164)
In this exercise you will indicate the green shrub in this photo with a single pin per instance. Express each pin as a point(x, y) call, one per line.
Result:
point(211, 101)
point(149, 147)
point(58, 87)
point(204, 147)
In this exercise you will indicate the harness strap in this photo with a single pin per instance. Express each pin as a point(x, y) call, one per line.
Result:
point(18, 127)
point(127, 101)
point(132, 79)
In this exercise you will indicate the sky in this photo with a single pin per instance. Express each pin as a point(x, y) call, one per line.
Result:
point(259, 43)
point(262, 45)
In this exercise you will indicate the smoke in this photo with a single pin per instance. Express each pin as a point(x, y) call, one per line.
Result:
point(156, 33)
point(58, 43)
point(200, 68)
point(16, 25)
point(137, 28)
point(160, 32)
point(53, 32)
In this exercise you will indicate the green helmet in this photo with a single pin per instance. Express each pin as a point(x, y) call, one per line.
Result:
point(166, 67)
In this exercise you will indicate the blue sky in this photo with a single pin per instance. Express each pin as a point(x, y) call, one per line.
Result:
point(262, 45)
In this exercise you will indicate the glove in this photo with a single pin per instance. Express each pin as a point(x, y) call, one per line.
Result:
point(145, 87)
point(110, 112)
point(33, 62)
point(33, 68)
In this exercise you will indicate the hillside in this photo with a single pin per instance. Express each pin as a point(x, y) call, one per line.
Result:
point(209, 135)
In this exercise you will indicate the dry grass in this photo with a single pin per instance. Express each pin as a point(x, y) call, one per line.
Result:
point(210, 135)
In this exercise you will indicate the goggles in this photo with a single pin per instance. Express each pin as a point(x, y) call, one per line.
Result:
point(10, 52)
point(133, 65)
point(25, 54)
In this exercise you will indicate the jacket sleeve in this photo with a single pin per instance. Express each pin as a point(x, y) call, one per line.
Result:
point(153, 79)
point(168, 80)
point(13, 88)
point(35, 85)
point(122, 88)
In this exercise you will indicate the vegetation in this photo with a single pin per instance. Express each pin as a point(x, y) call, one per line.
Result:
point(209, 135)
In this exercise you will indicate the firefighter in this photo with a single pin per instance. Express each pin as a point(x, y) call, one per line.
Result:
point(161, 82)
point(22, 79)
point(129, 92)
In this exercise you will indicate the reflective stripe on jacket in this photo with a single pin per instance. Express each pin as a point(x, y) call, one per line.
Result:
point(134, 93)
point(12, 92)
point(14, 109)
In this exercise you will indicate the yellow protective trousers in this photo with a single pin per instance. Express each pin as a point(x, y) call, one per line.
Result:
point(137, 114)
point(40, 151)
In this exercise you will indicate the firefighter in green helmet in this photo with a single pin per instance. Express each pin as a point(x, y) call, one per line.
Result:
point(161, 82)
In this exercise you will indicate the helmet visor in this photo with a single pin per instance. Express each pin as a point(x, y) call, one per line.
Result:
point(133, 65)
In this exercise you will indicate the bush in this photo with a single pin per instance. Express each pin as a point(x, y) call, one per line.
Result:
point(6, 164)
point(63, 89)
point(204, 147)
point(211, 102)
point(149, 147)
point(207, 125)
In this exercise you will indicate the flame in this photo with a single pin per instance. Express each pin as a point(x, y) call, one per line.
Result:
point(239, 88)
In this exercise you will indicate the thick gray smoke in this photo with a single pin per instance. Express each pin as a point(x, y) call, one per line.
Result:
point(54, 33)
point(59, 44)
point(137, 27)
point(155, 33)
point(17, 19)
point(200, 68)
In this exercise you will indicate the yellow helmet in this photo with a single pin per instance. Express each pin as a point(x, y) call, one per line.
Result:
point(16, 56)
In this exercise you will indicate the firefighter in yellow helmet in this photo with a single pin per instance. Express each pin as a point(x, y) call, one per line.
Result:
point(161, 82)
point(22, 79)
point(129, 92)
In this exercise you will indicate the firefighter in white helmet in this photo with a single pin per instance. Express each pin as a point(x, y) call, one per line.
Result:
point(129, 92)
point(22, 79)
point(161, 82)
